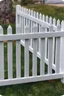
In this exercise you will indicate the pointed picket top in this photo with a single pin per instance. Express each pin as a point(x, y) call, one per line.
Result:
point(22, 9)
point(31, 12)
point(40, 16)
point(47, 18)
point(18, 7)
point(58, 25)
point(54, 21)
point(62, 25)
point(1, 30)
point(37, 14)
point(1, 27)
point(58, 22)
point(9, 29)
point(43, 17)
point(27, 11)
point(50, 20)
point(34, 13)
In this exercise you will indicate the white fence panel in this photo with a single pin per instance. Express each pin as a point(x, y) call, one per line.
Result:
point(37, 31)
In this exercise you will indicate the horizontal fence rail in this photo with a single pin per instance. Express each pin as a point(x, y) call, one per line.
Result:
point(30, 35)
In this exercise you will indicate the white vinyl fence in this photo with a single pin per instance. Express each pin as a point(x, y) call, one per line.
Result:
point(40, 35)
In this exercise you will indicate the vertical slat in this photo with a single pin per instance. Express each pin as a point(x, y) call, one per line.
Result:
point(40, 17)
point(54, 23)
point(22, 22)
point(43, 17)
point(17, 8)
point(31, 25)
point(35, 27)
point(18, 60)
point(46, 40)
point(50, 44)
point(26, 66)
point(57, 57)
point(50, 20)
point(34, 69)
point(26, 54)
point(62, 52)
point(42, 61)
point(10, 69)
point(1, 56)
point(46, 18)
point(40, 38)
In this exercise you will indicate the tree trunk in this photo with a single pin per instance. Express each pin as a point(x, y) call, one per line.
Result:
point(5, 9)
point(8, 5)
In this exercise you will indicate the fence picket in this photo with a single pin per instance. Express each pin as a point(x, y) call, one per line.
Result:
point(42, 52)
point(26, 52)
point(62, 52)
point(50, 20)
point(10, 66)
point(54, 24)
point(34, 68)
point(18, 60)
point(26, 72)
point(1, 56)
point(43, 17)
point(50, 42)
point(57, 57)
point(47, 18)
point(34, 71)
point(40, 17)
point(54, 21)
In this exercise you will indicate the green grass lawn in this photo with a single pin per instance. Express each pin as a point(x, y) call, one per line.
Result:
point(57, 12)
point(45, 88)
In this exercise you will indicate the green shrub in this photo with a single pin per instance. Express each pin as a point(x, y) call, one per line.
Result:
point(25, 2)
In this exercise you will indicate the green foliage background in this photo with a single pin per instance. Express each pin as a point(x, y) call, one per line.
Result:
point(55, 12)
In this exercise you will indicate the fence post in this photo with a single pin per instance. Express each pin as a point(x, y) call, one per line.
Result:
point(62, 52)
